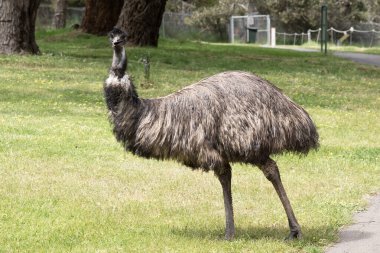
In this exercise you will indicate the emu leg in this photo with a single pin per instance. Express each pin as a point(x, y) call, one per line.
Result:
point(225, 180)
point(271, 172)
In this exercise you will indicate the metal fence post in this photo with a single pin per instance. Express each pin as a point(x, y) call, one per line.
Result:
point(268, 29)
point(324, 28)
point(232, 30)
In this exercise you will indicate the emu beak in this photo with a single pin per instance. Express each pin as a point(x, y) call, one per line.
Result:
point(116, 43)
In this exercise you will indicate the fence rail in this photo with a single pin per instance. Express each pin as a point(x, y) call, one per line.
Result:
point(352, 36)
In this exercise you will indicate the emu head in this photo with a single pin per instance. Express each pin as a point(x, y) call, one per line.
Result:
point(117, 37)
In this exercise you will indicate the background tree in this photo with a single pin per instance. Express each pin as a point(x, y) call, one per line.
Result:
point(347, 13)
point(141, 19)
point(59, 18)
point(297, 16)
point(101, 16)
point(215, 18)
point(17, 26)
point(374, 11)
point(76, 3)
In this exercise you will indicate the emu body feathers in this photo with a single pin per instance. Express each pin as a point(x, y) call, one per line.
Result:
point(228, 117)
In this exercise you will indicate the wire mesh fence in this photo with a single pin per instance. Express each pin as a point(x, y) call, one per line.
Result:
point(174, 25)
point(251, 29)
point(351, 37)
point(45, 16)
point(291, 38)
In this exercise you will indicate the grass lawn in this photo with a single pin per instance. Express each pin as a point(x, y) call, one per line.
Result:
point(67, 186)
point(345, 48)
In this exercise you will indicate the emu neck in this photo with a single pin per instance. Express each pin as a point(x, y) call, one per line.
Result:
point(124, 107)
point(120, 94)
point(119, 89)
point(119, 61)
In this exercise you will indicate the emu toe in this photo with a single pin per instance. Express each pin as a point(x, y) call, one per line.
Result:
point(294, 235)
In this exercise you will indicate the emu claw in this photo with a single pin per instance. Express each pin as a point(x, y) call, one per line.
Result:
point(294, 235)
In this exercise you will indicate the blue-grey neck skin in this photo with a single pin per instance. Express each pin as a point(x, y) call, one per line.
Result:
point(119, 61)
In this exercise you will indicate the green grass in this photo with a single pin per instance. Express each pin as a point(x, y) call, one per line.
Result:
point(345, 48)
point(67, 186)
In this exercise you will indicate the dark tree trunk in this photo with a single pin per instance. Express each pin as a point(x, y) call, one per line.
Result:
point(101, 16)
point(141, 19)
point(59, 19)
point(17, 26)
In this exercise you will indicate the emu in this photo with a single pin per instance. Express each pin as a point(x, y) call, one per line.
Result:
point(226, 118)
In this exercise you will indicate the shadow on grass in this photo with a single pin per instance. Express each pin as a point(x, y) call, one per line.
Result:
point(314, 235)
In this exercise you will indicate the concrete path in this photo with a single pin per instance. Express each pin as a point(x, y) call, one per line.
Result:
point(364, 235)
point(371, 59)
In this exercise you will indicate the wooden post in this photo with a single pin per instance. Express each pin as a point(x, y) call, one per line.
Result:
point(273, 37)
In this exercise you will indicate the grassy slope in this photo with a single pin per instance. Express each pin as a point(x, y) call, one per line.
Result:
point(66, 185)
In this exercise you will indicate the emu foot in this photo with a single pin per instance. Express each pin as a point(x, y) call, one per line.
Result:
point(294, 235)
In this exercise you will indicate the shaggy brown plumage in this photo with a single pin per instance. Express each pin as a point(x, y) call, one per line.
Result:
point(228, 117)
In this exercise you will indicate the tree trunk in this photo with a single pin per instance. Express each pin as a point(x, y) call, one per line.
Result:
point(17, 26)
point(141, 19)
point(101, 16)
point(59, 18)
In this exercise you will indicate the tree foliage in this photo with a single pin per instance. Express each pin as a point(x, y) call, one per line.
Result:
point(286, 15)
point(297, 16)
point(215, 18)
point(373, 11)
point(202, 3)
